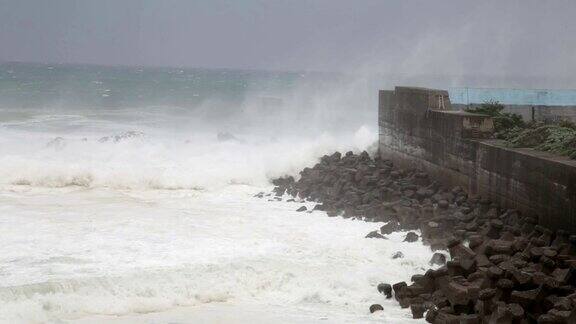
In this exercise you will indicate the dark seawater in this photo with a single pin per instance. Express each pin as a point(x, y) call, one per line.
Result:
point(232, 98)
point(32, 85)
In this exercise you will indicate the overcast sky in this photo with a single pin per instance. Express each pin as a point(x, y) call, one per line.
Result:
point(524, 37)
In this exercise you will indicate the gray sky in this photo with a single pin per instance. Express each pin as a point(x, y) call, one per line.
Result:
point(523, 37)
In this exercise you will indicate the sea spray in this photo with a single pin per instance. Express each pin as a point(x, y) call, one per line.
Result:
point(165, 221)
point(153, 251)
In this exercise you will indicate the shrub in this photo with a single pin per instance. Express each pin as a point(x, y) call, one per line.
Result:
point(567, 124)
point(558, 138)
point(503, 121)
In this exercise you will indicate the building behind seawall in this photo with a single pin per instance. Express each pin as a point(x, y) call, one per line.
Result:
point(538, 104)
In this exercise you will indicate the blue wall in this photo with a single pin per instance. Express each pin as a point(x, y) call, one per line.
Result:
point(513, 96)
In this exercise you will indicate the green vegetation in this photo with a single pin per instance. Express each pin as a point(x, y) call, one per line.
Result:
point(558, 137)
point(502, 121)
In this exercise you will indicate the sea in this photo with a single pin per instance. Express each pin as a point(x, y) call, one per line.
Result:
point(127, 196)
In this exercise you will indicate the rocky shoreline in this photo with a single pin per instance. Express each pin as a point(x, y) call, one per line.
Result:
point(503, 267)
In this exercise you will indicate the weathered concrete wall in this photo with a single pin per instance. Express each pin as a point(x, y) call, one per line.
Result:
point(456, 148)
point(531, 181)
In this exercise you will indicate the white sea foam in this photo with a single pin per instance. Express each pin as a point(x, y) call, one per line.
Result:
point(166, 223)
point(79, 253)
point(146, 162)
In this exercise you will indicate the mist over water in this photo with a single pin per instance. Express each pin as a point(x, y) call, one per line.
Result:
point(136, 196)
point(189, 135)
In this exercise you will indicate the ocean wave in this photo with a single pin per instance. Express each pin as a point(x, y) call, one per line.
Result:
point(134, 160)
point(273, 280)
point(134, 293)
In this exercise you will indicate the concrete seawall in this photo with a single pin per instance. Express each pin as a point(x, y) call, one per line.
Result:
point(418, 129)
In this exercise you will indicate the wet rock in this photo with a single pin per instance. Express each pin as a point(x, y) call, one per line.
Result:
point(417, 310)
point(398, 255)
point(494, 247)
point(468, 319)
point(562, 275)
point(444, 317)
point(319, 207)
point(399, 286)
point(431, 314)
point(501, 316)
point(482, 261)
point(527, 298)
point(494, 229)
point(563, 303)
point(486, 294)
point(301, 209)
point(332, 213)
point(560, 316)
point(503, 268)
point(475, 241)
point(376, 308)
point(464, 218)
point(423, 193)
point(550, 318)
point(390, 228)
point(375, 234)
point(505, 284)
point(460, 251)
point(516, 311)
point(385, 289)
point(460, 293)
point(443, 204)
point(438, 259)
point(499, 258)
point(411, 237)
point(520, 278)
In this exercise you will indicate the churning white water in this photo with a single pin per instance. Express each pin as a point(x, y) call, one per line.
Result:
point(143, 216)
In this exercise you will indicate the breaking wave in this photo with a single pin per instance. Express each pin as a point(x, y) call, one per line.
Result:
point(134, 160)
